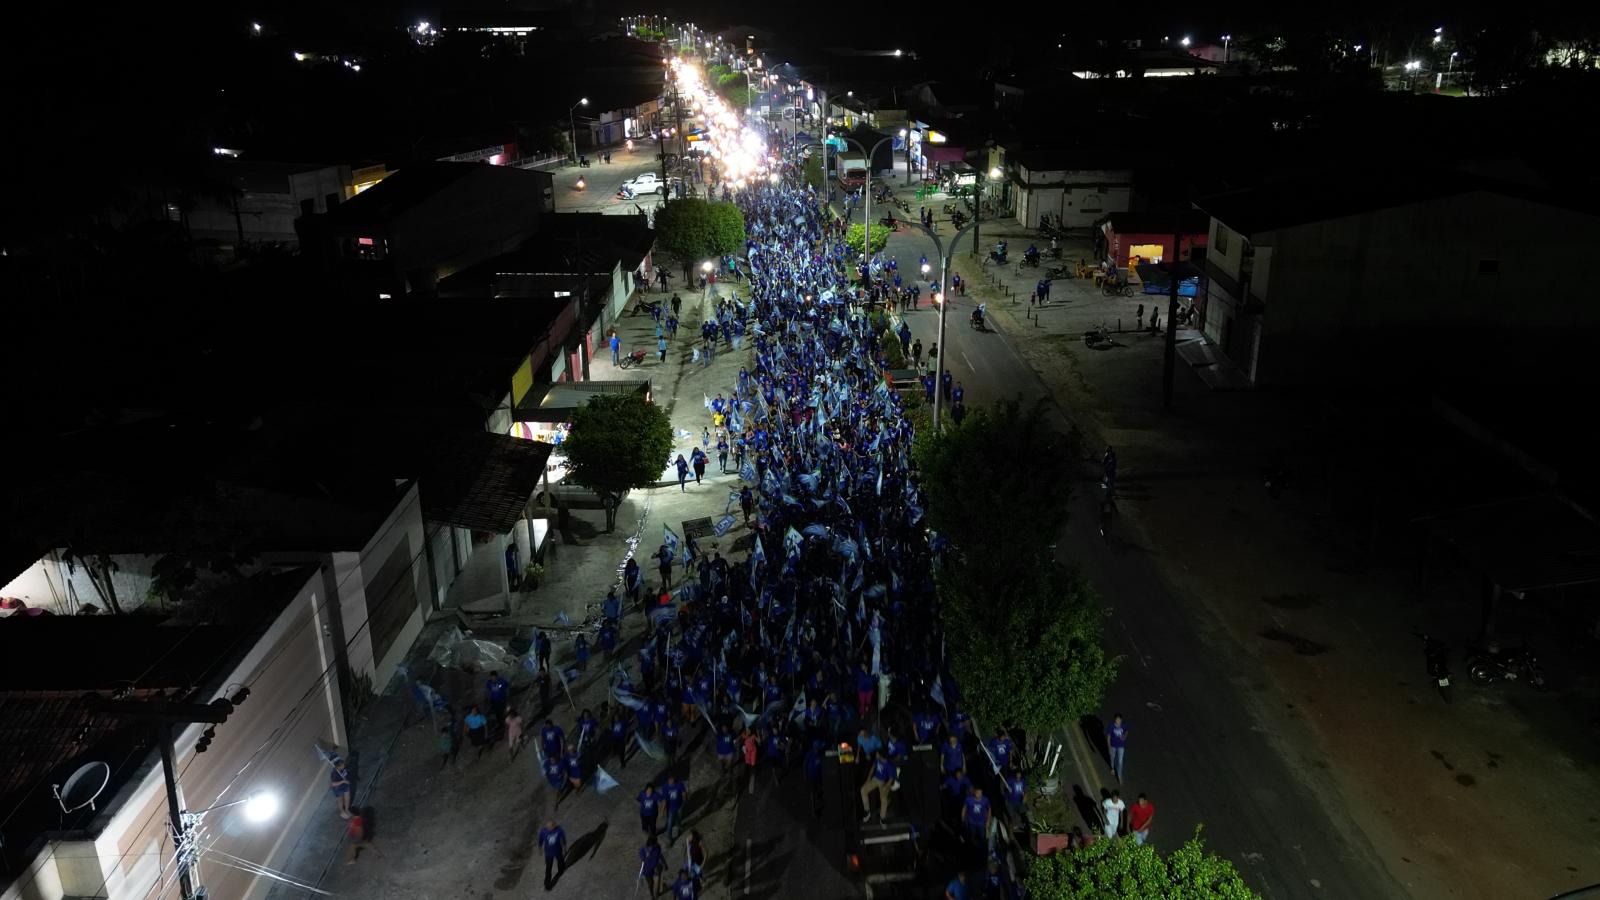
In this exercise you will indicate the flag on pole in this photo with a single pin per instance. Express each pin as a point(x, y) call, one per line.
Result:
point(725, 524)
point(669, 538)
point(603, 781)
point(748, 472)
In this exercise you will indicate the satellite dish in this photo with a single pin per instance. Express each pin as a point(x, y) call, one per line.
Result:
point(83, 787)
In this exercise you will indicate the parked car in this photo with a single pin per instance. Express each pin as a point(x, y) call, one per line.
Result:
point(850, 179)
point(643, 183)
point(570, 493)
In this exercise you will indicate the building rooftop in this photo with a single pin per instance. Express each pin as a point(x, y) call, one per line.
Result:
point(1287, 202)
point(1192, 221)
point(56, 666)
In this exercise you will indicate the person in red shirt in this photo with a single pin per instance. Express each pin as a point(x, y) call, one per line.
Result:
point(1139, 818)
point(356, 836)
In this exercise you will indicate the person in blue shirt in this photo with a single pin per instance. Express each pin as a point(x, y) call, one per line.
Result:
point(554, 842)
point(649, 808)
point(551, 737)
point(867, 744)
point(580, 651)
point(477, 727)
point(897, 749)
point(499, 692)
point(554, 775)
point(725, 750)
point(957, 888)
point(608, 637)
point(619, 738)
point(881, 780)
point(926, 723)
point(1117, 740)
point(651, 865)
point(675, 792)
point(588, 729)
point(835, 715)
point(611, 607)
point(953, 792)
point(961, 723)
point(975, 815)
point(685, 887)
point(572, 763)
point(669, 736)
point(951, 757)
point(996, 886)
point(1002, 748)
point(1016, 790)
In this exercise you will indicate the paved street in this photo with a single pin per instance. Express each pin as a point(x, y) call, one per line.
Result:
point(601, 181)
point(1205, 757)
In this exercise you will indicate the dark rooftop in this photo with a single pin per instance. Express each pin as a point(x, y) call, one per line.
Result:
point(1192, 221)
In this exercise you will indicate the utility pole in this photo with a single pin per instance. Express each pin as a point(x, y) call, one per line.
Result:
point(163, 716)
point(1169, 359)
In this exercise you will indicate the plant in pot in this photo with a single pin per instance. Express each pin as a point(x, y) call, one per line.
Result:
point(1050, 818)
point(531, 574)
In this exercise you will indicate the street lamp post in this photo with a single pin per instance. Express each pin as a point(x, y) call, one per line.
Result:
point(572, 123)
point(943, 300)
point(1225, 39)
point(866, 193)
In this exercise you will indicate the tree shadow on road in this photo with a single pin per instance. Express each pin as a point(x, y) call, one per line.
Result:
point(1094, 734)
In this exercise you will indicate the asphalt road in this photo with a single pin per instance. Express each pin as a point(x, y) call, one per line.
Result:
point(1194, 745)
point(601, 182)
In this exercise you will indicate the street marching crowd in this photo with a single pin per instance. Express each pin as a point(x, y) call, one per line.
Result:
point(791, 655)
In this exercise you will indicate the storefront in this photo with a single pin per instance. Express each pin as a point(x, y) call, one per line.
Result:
point(1134, 238)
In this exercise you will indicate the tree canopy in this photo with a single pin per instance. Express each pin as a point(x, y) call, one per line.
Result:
point(619, 442)
point(691, 229)
point(854, 235)
point(1028, 653)
point(1024, 631)
point(1001, 458)
point(1130, 871)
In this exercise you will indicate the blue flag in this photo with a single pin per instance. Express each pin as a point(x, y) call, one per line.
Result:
point(748, 472)
point(724, 524)
point(603, 781)
point(671, 540)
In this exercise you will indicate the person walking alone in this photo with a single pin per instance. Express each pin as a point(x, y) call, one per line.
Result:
point(1117, 741)
point(554, 841)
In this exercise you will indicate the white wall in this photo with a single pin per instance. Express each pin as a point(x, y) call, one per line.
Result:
point(1080, 197)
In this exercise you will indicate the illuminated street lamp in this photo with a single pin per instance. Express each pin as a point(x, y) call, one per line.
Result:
point(572, 123)
point(1184, 41)
point(1225, 39)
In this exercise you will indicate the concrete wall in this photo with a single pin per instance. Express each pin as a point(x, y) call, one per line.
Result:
point(1426, 273)
point(394, 571)
point(268, 215)
point(1079, 197)
point(292, 688)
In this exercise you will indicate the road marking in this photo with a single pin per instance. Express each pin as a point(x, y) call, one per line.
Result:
point(970, 367)
point(747, 866)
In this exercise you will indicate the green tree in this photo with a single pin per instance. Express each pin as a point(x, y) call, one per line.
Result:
point(1024, 642)
point(1001, 458)
point(1024, 630)
point(619, 443)
point(853, 237)
point(1124, 870)
point(691, 229)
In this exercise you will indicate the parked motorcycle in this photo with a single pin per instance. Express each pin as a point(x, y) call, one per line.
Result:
point(1486, 665)
point(1099, 334)
point(1436, 657)
point(1031, 259)
point(958, 219)
point(636, 358)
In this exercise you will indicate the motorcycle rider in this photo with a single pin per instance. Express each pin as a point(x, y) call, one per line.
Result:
point(1031, 255)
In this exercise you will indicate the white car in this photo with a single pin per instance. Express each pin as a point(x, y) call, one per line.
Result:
point(645, 183)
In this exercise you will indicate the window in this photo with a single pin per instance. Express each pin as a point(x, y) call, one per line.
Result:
point(1222, 240)
point(1488, 267)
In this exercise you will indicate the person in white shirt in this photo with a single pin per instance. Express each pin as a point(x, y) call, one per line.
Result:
point(1113, 812)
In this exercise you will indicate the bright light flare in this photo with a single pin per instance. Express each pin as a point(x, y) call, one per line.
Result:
point(261, 807)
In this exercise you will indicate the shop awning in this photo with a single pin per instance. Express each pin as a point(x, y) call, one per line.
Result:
point(943, 153)
point(481, 480)
point(557, 401)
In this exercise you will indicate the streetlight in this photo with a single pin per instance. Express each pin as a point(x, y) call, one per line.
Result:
point(1225, 39)
point(1438, 35)
point(1184, 40)
point(572, 123)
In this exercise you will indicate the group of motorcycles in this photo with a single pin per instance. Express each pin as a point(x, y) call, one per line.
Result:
point(1485, 664)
